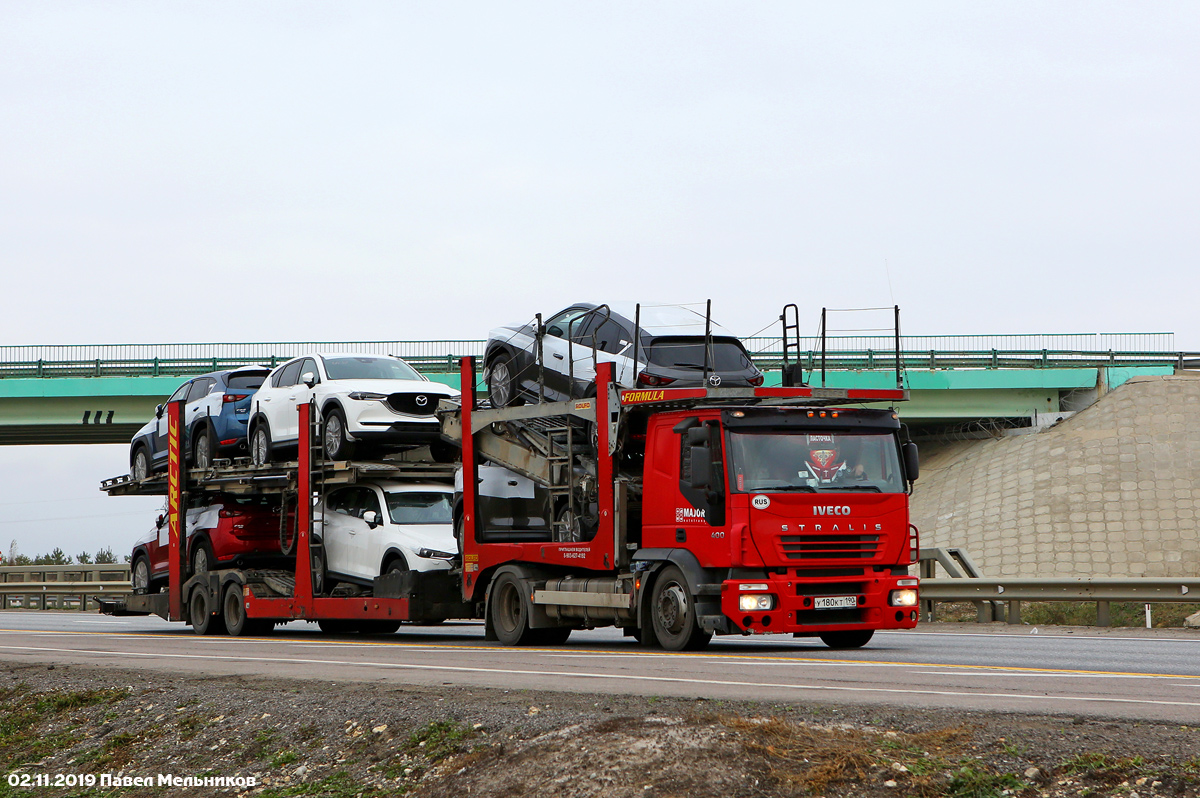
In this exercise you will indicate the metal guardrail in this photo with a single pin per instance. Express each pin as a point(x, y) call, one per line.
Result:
point(1000, 598)
point(61, 587)
point(842, 353)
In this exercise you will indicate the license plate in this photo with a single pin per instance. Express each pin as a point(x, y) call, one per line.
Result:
point(834, 602)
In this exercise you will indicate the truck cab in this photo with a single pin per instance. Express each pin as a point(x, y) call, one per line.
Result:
point(800, 514)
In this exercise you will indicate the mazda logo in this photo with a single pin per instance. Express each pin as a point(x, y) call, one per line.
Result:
point(714, 380)
point(422, 401)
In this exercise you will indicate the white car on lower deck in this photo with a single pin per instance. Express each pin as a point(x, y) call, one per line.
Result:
point(362, 399)
point(371, 528)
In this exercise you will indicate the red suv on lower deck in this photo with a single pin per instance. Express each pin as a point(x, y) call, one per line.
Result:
point(229, 531)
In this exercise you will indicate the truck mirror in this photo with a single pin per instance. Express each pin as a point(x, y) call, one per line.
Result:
point(701, 464)
point(697, 436)
point(912, 464)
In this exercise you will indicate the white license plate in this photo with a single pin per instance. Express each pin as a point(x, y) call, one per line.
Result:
point(834, 602)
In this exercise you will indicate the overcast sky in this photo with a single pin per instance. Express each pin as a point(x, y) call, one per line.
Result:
point(355, 171)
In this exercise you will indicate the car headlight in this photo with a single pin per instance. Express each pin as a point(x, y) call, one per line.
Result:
point(754, 602)
point(367, 396)
point(903, 598)
point(434, 554)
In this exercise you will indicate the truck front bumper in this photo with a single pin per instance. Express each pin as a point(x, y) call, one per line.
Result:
point(806, 606)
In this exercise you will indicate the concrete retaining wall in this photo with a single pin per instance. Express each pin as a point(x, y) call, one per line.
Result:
point(1111, 491)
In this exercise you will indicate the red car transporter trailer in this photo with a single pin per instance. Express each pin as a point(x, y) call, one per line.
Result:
point(659, 524)
point(248, 601)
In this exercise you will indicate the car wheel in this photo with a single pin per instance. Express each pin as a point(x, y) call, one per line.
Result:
point(338, 445)
point(140, 575)
point(140, 468)
point(204, 620)
point(396, 565)
point(500, 384)
point(673, 613)
point(203, 560)
point(316, 558)
point(508, 612)
point(569, 528)
point(854, 638)
point(202, 450)
point(260, 445)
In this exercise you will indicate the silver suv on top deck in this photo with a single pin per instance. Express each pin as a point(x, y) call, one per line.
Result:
point(671, 352)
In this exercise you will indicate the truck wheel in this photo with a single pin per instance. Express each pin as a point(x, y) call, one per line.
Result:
point(673, 613)
point(855, 638)
point(204, 622)
point(337, 443)
point(509, 612)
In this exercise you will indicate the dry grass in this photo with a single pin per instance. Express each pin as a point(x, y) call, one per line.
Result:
point(811, 758)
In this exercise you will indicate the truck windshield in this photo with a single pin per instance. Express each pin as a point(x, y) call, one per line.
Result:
point(419, 508)
point(775, 461)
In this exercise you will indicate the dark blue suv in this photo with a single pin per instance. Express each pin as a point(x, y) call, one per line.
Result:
point(214, 420)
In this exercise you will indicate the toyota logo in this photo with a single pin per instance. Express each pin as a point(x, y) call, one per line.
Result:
point(714, 380)
point(422, 401)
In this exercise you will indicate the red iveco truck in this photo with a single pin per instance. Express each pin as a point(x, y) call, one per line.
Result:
point(678, 514)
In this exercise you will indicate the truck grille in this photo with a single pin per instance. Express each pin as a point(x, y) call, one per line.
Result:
point(414, 404)
point(829, 547)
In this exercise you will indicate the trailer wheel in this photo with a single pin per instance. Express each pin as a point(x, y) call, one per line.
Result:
point(204, 621)
point(673, 613)
point(854, 638)
point(509, 612)
point(234, 615)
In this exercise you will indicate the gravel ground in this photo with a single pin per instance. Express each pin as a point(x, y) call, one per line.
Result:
point(322, 739)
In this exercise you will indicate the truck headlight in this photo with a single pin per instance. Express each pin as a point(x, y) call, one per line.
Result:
point(750, 602)
point(903, 598)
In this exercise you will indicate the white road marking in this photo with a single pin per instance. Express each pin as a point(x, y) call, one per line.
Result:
point(610, 676)
point(1000, 671)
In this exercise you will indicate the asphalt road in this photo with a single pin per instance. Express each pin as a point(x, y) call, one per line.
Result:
point(1147, 677)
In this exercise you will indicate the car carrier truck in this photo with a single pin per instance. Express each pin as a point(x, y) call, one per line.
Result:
point(673, 514)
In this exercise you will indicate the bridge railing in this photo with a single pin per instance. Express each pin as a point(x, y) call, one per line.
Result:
point(841, 353)
point(61, 587)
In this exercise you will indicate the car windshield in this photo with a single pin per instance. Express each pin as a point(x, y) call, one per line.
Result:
point(688, 353)
point(420, 508)
point(775, 461)
point(369, 368)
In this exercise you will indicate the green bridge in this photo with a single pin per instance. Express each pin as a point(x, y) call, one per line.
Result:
point(104, 393)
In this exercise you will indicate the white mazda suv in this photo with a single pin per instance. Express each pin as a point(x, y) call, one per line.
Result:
point(363, 400)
